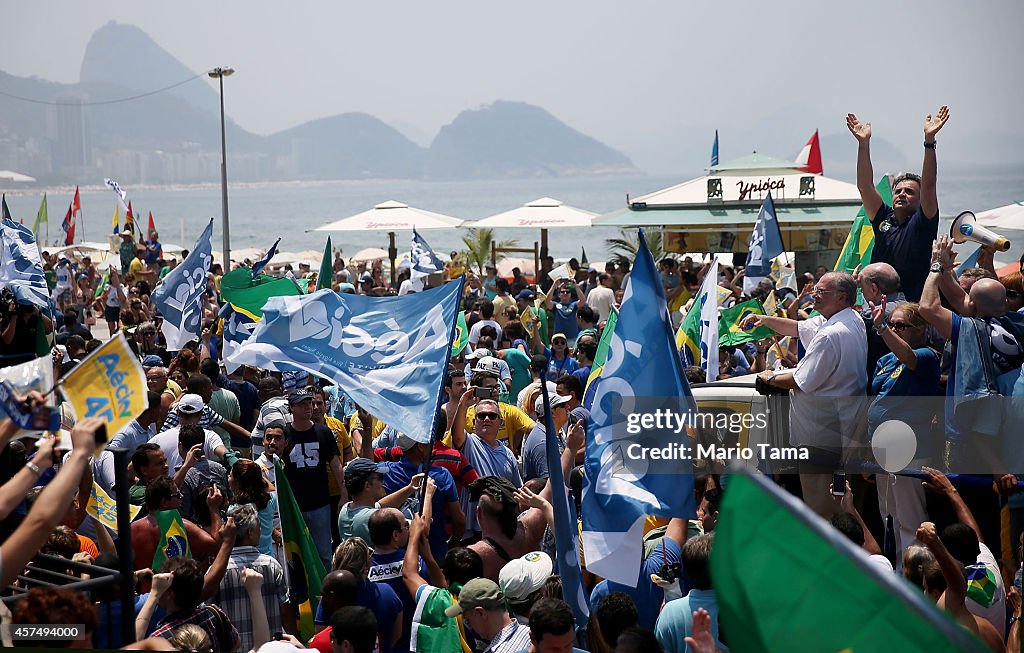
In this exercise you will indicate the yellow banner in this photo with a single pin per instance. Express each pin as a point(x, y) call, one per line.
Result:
point(109, 384)
point(104, 509)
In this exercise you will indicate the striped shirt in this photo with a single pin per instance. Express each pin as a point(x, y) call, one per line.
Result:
point(513, 638)
point(233, 598)
point(218, 627)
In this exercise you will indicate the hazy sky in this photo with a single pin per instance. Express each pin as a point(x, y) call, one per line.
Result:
point(627, 73)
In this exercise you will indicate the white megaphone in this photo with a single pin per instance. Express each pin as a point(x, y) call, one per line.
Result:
point(966, 228)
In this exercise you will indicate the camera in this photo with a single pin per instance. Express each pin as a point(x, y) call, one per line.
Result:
point(483, 393)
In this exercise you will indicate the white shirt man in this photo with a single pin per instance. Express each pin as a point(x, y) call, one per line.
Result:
point(828, 384)
point(601, 297)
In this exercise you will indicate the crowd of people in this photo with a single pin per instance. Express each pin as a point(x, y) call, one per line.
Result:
point(460, 555)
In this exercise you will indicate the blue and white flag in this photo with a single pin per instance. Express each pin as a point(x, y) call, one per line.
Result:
point(238, 326)
point(971, 261)
point(567, 541)
point(424, 261)
point(122, 196)
point(642, 374)
point(765, 243)
point(257, 267)
point(179, 297)
point(21, 269)
point(714, 151)
point(708, 298)
point(389, 354)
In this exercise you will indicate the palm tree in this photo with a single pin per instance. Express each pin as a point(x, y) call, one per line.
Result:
point(623, 249)
point(478, 246)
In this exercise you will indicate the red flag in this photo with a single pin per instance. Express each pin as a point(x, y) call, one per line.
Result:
point(152, 226)
point(809, 159)
point(76, 204)
point(129, 219)
point(69, 224)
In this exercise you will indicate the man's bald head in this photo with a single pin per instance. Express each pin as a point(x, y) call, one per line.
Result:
point(339, 589)
point(883, 276)
point(988, 297)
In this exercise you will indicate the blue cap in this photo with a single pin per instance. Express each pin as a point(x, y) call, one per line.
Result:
point(152, 361)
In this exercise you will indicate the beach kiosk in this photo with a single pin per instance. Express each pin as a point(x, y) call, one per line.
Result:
point(716, 212)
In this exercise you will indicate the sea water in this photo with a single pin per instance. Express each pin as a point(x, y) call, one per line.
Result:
point(259, 213)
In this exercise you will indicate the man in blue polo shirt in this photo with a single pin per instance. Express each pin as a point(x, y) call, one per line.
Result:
point(399, 473)
point(904, 231)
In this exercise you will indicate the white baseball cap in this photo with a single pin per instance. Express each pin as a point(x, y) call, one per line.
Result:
point(488, 365)
point(555, 399)
point(189, 404)
point(521, 577)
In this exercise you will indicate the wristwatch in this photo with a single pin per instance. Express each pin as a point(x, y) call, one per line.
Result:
point(936, 267)
point(929, 146)
point(882, 327)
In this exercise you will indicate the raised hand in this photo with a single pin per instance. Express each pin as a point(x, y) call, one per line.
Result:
point(162, 582)
point(44, 452)
point(926, 533)
point(702, 641)
point(215, 499)
point(526, 497)
point(937, 481)
point(942, 252)
point(861, 131)
point(878, 312)
point(83, 435)
point(252, 580)
point(932, 124)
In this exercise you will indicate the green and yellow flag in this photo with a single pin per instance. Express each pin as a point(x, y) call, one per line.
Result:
point(461, 334)
point(600, 356)
point(729, 330)
point(787, 580)
point(861, 241)
point(173, 540)
point(305, 569)
point(41, 216)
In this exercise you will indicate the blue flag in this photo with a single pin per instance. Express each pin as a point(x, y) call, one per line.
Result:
point(765, 243)
point(179, 297)
point(424, 261)
point(714, 151)
point(567, 542)
point(21, 269)
point(971, 261)
point(642, 374)
point(389, 354)
point(258, 266)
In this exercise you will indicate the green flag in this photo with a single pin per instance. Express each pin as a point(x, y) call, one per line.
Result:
point(861, 241)
point(103, 284)
point(601, 355)
point(688, 333)
point(248, 295)
point(41, 216)
point(787, 580)
point(173, 539)
point(305, 569)
point(461, 334)
point(729, 331)
point(323, 278)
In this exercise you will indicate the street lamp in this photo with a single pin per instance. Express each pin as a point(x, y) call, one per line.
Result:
point(219, 74)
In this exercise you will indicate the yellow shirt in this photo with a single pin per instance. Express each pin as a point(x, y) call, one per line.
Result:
point(355, 423)
point(137, 265)
point(512, 418)
point(344, 441)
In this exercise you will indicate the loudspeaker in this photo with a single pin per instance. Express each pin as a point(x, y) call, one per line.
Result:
point(966, 228)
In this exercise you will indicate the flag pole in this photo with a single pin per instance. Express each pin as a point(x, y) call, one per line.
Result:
point(440, 394)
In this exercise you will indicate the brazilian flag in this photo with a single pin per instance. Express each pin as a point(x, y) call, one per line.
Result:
point(729, 320)
point(861, 241)
point(786, 580)
point(461, 334)
point(600, 357)
point(173, 540)
point(305, 569)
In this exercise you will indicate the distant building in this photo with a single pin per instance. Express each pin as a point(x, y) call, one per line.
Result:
point(72, 153)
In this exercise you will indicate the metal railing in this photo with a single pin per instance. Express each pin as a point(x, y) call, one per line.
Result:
point(45, 574)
